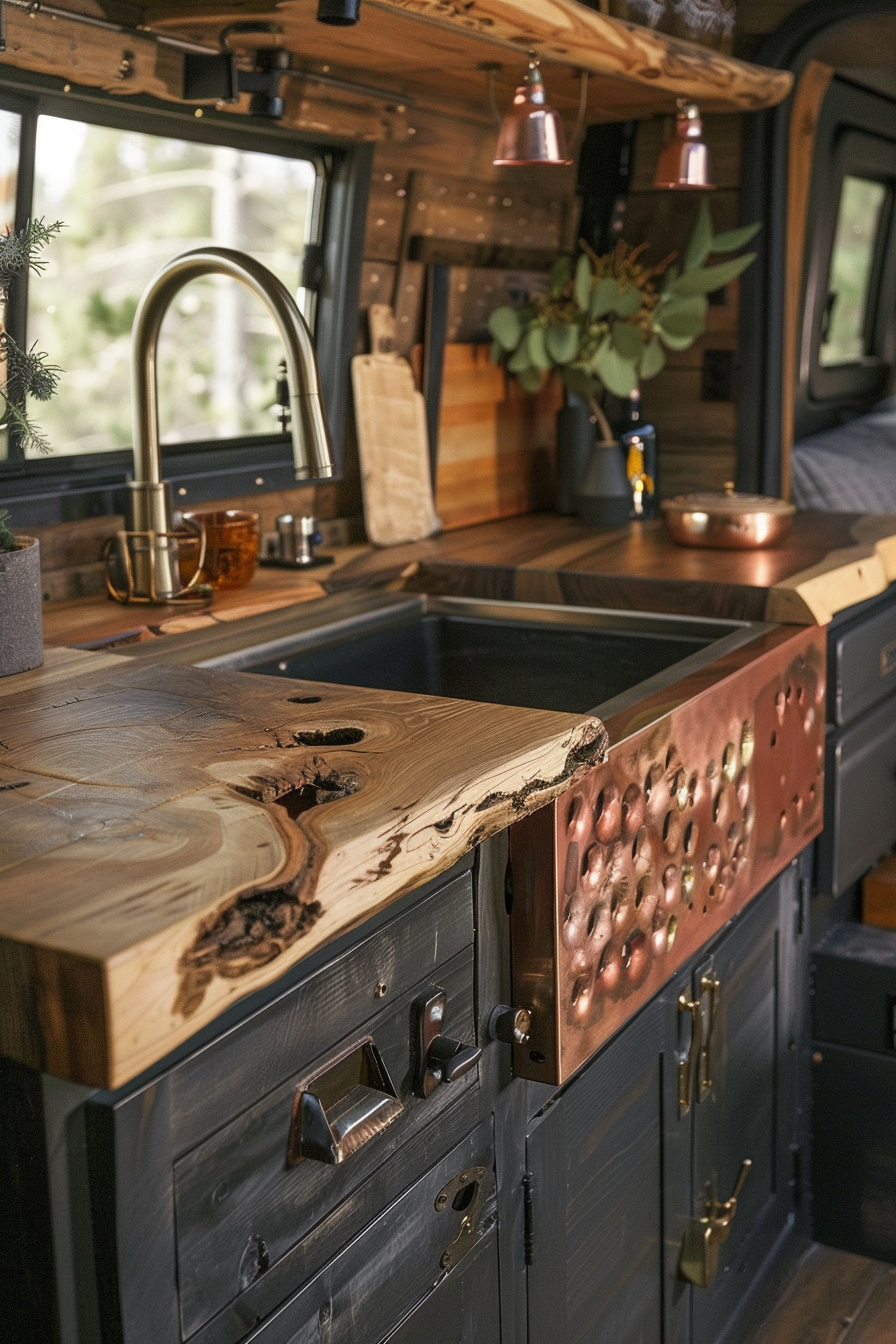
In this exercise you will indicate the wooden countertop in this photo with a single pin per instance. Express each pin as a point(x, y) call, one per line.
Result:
point(829, 562)
point(172, 839)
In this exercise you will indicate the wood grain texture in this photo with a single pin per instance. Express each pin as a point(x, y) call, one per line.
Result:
point(390, 415)
point(166, 848)
point(560, 31)
point(827, 1301)
point(817, 571)
point(495, 441)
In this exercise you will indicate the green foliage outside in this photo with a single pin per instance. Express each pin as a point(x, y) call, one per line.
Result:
point(132, 201)
point(607, 322)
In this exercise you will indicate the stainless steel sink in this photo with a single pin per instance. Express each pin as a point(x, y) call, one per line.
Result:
point(544, 657)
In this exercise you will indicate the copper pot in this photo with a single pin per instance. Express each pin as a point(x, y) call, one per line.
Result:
point(730, 521)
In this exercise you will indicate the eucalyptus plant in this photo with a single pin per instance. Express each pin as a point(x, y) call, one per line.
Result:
point(28, 372)
point(607, 322)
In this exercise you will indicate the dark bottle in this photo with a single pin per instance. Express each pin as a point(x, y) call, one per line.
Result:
point(641, 461)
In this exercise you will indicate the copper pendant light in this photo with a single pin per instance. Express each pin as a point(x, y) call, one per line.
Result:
point(683, 164)
point(532, 132)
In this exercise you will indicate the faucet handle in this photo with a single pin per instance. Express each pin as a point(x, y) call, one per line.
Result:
point(281, 407)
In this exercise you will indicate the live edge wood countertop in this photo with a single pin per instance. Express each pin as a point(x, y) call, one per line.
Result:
point(172, 838)
point(829, 561)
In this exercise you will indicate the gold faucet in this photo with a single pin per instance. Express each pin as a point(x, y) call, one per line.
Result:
point(155, 567)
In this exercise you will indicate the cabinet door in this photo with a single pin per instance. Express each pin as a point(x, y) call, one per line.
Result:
point(743, 1098)
point(595, 1182)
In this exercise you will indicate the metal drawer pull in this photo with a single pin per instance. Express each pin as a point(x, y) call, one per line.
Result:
point(712, 986)
point(342, 1108)
point(699, 1260)
point(440, 1059)
point(687, 1064)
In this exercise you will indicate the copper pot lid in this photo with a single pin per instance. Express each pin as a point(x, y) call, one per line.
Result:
point(729, 503)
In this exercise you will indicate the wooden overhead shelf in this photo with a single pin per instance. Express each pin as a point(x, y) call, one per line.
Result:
point(433, 51)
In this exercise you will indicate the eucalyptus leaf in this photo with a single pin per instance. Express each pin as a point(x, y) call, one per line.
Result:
point(604, 296)
point(561, 273)
point(700, 243)
point(496, 353)
point(683, 316)
point(673, 342)
point(618, 375)
point(584, 277)
point(627, 340)
point(653, 359)
point(628, 302)
point(733, 239)
point(579, 380)
point(505, 326)
point(671, 275)
point(530, 379)
point(520, 359)
point(712, 277)
point(537, 349)
point(563, 343)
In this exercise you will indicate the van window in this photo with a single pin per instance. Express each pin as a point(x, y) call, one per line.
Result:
point(130, 201)
point(844, 337)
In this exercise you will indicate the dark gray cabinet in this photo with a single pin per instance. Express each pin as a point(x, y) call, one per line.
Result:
point(652, 1135)
point(491, 1211)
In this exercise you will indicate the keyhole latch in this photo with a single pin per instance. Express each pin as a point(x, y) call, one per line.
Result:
point(465, 1193)
point(699, 1260)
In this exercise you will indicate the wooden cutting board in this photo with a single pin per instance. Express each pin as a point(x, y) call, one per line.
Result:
point(392, 441)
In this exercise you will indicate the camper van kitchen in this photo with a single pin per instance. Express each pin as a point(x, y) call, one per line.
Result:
point(447, 671)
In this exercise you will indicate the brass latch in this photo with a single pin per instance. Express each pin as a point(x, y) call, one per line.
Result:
point(699, 1260)
point(689, 1058)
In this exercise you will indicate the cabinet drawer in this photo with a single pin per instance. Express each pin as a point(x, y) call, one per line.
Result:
point(241, 1208)
point(860, 799)
point(372, 1290)
point(286, 1036)
point(863, 664)
point(201, 1227)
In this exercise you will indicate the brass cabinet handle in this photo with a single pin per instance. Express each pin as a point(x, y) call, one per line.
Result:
point(699, 1258)
point(343, 1107)
point(687, 1066)
point(711, 985)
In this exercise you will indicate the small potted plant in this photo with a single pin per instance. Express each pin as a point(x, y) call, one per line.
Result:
point(25, 373)
point(606, 323)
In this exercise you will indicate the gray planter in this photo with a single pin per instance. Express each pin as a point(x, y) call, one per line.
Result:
point(21, 603)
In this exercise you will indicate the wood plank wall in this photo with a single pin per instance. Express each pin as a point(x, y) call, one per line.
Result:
point(434, 179)
point(698, 437)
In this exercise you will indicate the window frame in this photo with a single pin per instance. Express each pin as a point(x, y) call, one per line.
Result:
point(48, 490)
point(855, 151)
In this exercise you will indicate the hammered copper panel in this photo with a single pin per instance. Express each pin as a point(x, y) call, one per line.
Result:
point(656, 850)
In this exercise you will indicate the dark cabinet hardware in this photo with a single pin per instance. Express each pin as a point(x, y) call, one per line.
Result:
point(343, 1107)
point(441, 1059)
point(510, 1025)
point(699, 1261)
point(710, 986)
point(465, 1194)
point(688, 1061)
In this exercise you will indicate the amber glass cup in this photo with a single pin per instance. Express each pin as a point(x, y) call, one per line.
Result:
point(231, 547)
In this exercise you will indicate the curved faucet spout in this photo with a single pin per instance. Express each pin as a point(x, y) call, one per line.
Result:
point(310, 439)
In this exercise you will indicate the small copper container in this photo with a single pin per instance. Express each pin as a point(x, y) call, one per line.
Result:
point(729, 522)
point(231, 546)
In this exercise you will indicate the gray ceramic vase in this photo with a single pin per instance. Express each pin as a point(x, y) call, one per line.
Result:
point(21, 603)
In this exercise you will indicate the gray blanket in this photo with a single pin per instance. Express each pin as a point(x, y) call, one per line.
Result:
point(851, 468)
